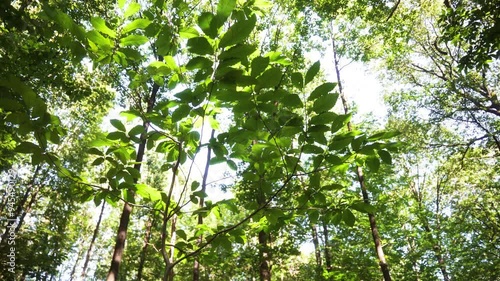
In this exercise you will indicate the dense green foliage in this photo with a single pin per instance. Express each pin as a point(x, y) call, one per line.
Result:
point(178, 140)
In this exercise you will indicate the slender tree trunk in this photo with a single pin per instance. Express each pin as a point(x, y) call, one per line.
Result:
point(127, 208)
point(28, 208)
point(436, 247)
point(196, 266)
point(32, 190)
point(73, 270)
point(317, 249)
point(384, 267)
point(173, 240)
point(264, 267)
point(92, 241)
point(147, 237)
point(328, 254)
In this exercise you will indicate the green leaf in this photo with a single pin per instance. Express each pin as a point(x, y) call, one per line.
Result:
point(363, 207)
point(321, 90)
point(95, 151)
point(147, 192)
point(239, 51)
point(238, 32)
point(200, 46)
point(323, 118)
point(199, 63)
point(313, 70)
point(385, 156)
point(292, 100)
point(297, 80)
point(116, 136)
point(325, 103)
point(134, 40)
point(188, 32)
point(348, 217)
point(28, 147)
point(137, 130)
point(118, 124)
point(100, 25)
point(136, 24)
point(225, 7)
point(340, 122)
point(98, 161)
point(132, 9)
point(130, 114)
point(258, 65)
point(373, 163)
point(98, 39)
point(270, 78)
point(181, 112)
point(339, 144)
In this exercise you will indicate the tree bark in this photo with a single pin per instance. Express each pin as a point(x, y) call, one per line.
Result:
point(196, 266)
point(264, 267)
point(147, 237)
point(317, 250)
point(92, 242)
point(328, 254)
point(127, 208)
point(384, 267)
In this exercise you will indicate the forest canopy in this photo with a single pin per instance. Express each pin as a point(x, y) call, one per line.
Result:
point(220, 140)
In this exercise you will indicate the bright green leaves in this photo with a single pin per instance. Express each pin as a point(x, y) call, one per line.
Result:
point(225, 7)
point(100, 25)
point(136, 24)
point(133, 40)
point(132, 9)
point(238, 32)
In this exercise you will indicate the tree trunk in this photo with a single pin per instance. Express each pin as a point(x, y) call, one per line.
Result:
point(317, 250)
point(92, 241)
point(147, 237)
point(196, 265)
point(264, 267)
point(384, 267)
point(328, 254)
point(127, 208)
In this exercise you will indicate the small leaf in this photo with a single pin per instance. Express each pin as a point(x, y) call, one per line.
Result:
point(137, 130)
point(259, 64)
point(181, 112)
point(321, 90)
point(188, 32)
point(118, 124)
point(348, 217)
point(313, 70)
point(100, 25)
point(385, 156)
point(98, 161)
point(238, 32)
point(373, 163)
point(115, 136)
point(28, 147)
point(132, 9)
point(200, 46)
point(225, 7)
point(270, 78)
point(363, 207)
point(297, 80)
point(136, 24)
point(325, 103)
point(134, 40)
